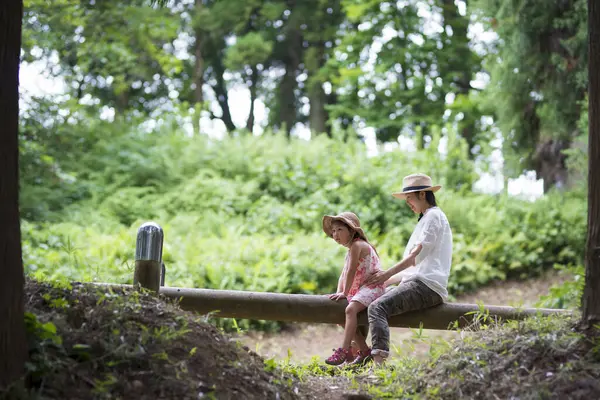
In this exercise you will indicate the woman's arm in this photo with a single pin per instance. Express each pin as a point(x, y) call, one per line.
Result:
point(394, 280)
point(382, 276)
point(425, 243)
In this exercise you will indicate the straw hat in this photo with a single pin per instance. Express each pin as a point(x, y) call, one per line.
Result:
point(416, 183)
point(348, 218)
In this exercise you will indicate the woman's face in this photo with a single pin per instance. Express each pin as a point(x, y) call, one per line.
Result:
point(417, 202)
point(341, 233)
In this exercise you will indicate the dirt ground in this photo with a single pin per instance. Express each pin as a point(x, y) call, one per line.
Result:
point(304, 341)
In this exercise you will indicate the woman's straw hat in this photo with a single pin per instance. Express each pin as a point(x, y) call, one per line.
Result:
point(416, 183)
point(348, 218)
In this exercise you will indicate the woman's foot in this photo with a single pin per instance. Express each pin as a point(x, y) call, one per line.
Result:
point(378, 359)
point(339, 356)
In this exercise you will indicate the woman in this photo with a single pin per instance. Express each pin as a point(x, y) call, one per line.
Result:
point(425, 267)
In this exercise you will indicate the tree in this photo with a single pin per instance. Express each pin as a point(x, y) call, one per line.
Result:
point(393, 71)
point(13, 348)
point(290, 52)
point(537, 82)
point(246, 56)
point(321, 31)
point(458, 64)
point(120, 53)
point(591, 292)
point(219, 63)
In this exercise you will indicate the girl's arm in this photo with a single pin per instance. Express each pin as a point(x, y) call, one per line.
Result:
point(338, 295)
point(340, 286)
point(355, 251)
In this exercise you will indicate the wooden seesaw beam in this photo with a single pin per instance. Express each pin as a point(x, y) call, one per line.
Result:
point(150, 273)
point(320, 309)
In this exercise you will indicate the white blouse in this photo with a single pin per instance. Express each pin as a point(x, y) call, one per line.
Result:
point(432, 265)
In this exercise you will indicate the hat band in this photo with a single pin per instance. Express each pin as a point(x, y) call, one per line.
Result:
point(415, 188)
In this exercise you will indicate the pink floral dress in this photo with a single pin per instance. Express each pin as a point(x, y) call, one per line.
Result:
point(367, 266)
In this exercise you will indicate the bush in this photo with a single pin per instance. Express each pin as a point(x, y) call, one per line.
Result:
point(245, 212)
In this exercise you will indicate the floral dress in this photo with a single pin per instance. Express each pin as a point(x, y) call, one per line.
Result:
point(367, 266)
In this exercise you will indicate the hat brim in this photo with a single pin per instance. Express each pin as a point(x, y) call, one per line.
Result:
point(402, 195)
point(330, 219)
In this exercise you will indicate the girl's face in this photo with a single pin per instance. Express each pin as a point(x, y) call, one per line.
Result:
point(417, 202)
point(341, 233)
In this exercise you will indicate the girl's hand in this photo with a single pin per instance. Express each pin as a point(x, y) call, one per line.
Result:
point(337, 296)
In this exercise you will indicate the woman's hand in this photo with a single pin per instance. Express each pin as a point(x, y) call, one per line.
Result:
point(394, 280)
point(377, 278)
point(337, 296)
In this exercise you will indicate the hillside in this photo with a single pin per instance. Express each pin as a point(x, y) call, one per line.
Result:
point(96, 343)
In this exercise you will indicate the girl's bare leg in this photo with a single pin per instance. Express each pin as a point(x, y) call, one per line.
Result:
point(361, 341)
point(351, 322)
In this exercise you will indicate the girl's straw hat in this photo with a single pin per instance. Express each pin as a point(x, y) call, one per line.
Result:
point(348, 218)
point(416, 183)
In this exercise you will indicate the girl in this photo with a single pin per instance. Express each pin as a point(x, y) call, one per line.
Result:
point(424, 270)
point(362, 261)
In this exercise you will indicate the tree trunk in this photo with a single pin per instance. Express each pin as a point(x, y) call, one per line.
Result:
point(253, 94)
point(13, 348)
point(122, 102)
point(287, 96)
point(591, 292)
point(550, 163)
point(222, 95)
point(318, 116)
point(458, 67)
point(198, 65)
point(318, 113)
point(420, 132)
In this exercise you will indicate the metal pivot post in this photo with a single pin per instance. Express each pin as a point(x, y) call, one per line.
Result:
point(148, 257)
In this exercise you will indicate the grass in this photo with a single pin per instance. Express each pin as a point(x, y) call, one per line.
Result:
point(538, 358)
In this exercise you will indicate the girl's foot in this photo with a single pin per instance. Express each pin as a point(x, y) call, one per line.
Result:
point(339, 356)
point(362, 358)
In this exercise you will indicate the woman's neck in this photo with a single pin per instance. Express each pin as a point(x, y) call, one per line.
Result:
point(427, 208)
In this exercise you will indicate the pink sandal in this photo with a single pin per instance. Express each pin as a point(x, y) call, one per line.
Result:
point(339, 356)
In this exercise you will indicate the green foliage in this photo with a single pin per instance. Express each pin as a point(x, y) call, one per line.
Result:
point(538, 73)
point(43, 342)
point(544, 356)
point(577, 155)
point(568, 294)
point(393, 71)
point(245, 213)
point(148, 55)
point(119, 54)
point(250, 49)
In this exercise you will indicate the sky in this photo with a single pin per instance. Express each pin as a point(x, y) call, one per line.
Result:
point(34, 81)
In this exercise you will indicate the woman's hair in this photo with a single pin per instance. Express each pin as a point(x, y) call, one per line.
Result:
point(430, 197)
